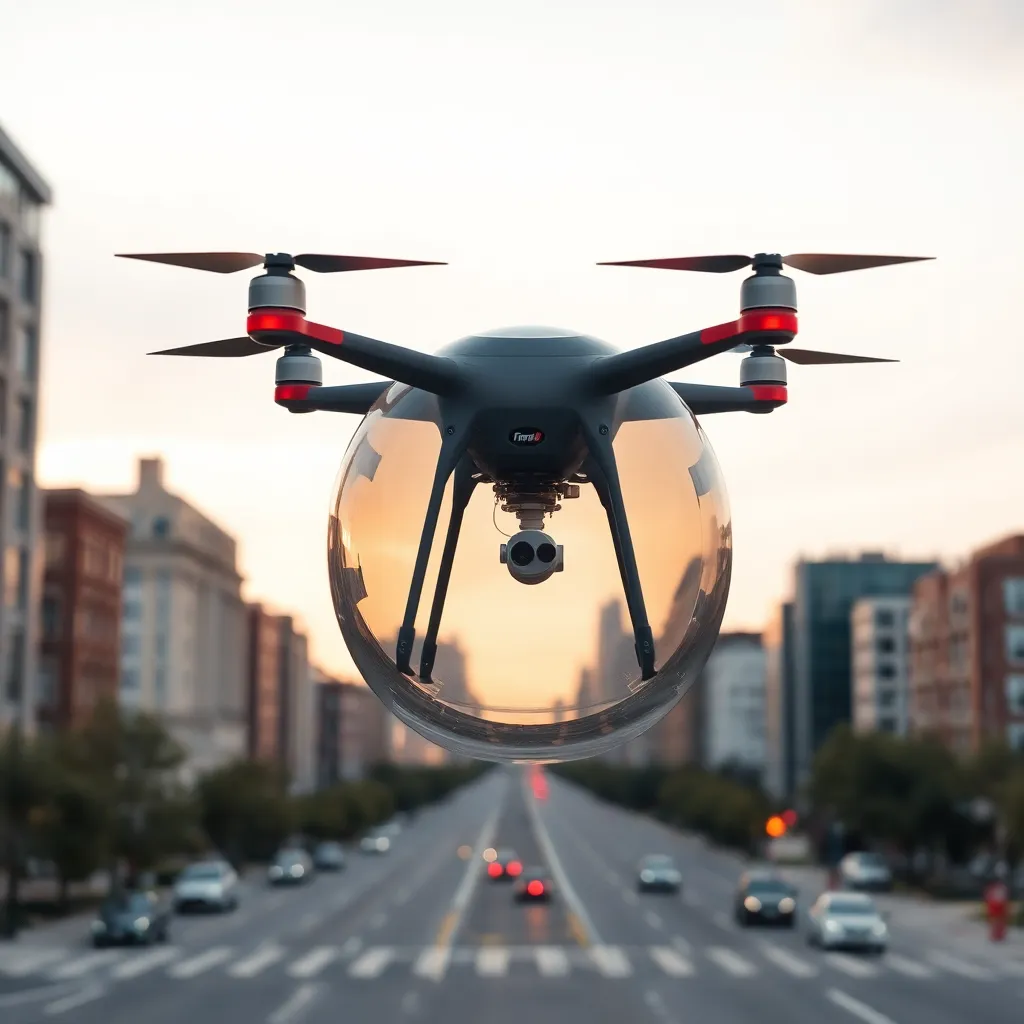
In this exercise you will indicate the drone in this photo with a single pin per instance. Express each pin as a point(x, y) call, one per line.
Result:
point(531, 412)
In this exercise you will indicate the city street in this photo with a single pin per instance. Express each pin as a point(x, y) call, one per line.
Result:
point(421, 934)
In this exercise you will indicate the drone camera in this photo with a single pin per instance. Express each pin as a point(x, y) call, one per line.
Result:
point(532, 557)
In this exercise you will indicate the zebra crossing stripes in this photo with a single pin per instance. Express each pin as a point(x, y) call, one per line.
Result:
point(313, 962)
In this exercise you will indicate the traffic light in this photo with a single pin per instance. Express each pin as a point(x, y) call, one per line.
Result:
point(775, 826)
point(789, 817)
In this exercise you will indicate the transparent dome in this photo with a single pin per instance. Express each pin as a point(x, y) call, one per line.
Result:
point(537, 673)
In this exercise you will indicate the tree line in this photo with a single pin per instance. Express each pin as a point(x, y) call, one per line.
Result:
point(109, 795)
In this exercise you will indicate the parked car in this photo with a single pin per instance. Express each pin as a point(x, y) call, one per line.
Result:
point(329, 856)
point(206, 885)
point(131, 919)
point(865, 872)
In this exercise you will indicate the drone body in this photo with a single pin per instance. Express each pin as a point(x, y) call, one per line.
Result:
point(535, 416)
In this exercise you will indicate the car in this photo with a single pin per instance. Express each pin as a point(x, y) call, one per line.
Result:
point(865, 872)
point(505, 866)
point(658, 873)
point(847, 920)
point(131, 919)
point(290, 866)
point(376, 841)
point(206, 885)
point(534, 886)
point(762, 897)
point(329, 856)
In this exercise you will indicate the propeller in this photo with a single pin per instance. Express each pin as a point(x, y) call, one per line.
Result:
point(809, 262)
point(226, 348)
point(232, 262)
point(812, 357)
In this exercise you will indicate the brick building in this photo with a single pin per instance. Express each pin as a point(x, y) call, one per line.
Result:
point(80, 638)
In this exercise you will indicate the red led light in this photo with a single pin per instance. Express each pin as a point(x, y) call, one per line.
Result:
point(756, 320)
point(263, 321)
point(535, 888)
point(515, 868)
point(494, 869)
point(291, 392)
point(769, 392)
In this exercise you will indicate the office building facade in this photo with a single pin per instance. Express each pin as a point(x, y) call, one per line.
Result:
point(881, 664)
point(733, 682)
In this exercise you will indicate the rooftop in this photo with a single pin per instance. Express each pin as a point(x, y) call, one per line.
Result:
point(18, 163)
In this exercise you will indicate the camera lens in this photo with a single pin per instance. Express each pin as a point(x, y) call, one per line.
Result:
point(522, 553)
point(546, 553)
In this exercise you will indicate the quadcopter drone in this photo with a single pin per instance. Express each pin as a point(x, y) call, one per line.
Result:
point(531, 413)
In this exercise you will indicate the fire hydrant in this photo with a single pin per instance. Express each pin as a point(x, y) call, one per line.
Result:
point(997, 909)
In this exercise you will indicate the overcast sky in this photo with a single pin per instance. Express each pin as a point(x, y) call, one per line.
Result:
point(522, 144)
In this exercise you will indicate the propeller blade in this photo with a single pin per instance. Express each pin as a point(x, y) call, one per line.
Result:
point(705, 264)
point(320, 264)
point(826, 263)
point(810, 357)
point(217, 262)
point(226, 348)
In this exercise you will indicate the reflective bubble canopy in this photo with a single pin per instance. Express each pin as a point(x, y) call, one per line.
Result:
point(545, 672)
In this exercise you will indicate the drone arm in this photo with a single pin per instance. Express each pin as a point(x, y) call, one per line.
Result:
point(353, 398)
point(704, 399)
point(417, 369)
point(611, 374)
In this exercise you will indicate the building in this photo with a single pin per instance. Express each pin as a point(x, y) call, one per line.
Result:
point(881, 664)
point(824, 595)
point(299, 740)
point(183, 626)
point(967, 650)
point(80, 627)
point(779, 709)
point(23, 194)
point(679, 738)
point(349, 730)
point(263, 741)
point(733, 682)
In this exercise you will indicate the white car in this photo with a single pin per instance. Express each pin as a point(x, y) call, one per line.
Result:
point(847, 920)
point(375, 842)
point(206, 885)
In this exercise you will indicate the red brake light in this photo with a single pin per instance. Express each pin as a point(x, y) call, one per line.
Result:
point(494, 869)
point(535, 888)
point(514, 868)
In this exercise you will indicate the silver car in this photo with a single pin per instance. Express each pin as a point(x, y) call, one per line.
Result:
point(865, 872)
point(847, 920)
point(377, 841)
point(206, 885)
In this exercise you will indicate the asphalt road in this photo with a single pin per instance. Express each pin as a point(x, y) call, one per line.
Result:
point(421, 935)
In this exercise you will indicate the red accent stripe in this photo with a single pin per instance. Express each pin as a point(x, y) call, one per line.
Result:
point(769, 393)
point(291, 392)
point(758, 320)
point(263, 320)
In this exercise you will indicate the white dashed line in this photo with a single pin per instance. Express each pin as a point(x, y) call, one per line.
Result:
point(866, 1013)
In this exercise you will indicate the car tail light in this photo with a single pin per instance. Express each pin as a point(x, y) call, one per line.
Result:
point(494, 870)
point(535, 888)
point(514, 868)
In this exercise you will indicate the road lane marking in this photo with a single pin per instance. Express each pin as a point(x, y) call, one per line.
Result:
point(552, 961)
point(682, 945)
point(669, 960)
point(313, 962)
point(788, 962)
point(16, 963)
point(73, 1002)
point(630, 897)
point(731, 962)
point(145, 962)
point(866, 1013)
point(961, 967)
point(611, 961)
point(257, 961)
point(561, 878)
point(372, 963)
point(84, 964)
point(492, 962)
point(657, 1006)
point(203, 962)
point(850, 965)
point(33, 995)
point(433, 962)
point(653, 920)
point(292, 1007)
point(352, 946)
point(911, 968)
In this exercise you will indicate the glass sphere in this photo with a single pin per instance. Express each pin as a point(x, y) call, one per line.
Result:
point(539, 673)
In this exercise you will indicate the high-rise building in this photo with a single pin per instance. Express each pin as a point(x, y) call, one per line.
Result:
point(299, 740)
point(967, 650)
point(779, 710)
point(734, 699)
point(824, 596)
point(80, 634)
point(881, 663)
point(23, 194)
point(184, 642)
point(264, 685)
point(348, 730)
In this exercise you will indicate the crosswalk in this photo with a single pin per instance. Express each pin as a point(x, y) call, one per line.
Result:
point(360, 964)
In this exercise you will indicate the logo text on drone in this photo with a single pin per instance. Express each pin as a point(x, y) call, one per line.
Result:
point(526, 437)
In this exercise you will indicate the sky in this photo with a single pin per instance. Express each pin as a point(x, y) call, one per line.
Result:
point(522, 145)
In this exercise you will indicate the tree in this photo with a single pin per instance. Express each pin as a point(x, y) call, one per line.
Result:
point(1011, 807)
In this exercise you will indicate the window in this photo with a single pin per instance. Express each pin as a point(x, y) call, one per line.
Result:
point(160, 686)
point(132, 611)
point(51, 617)
point(31, 217)
point(131, 645)
point(27, 283)
point(5, 325)
point(1015, 737)
point(23, 509)
point(28, 351)
point(1015, 694)
point(887, 699)
point(15, 675)
point(161, 528)
point(884, 618)
point(56, 551)
point(8, 183)
point(886, 670)
point(161, 645)
point(24, 426)
point(129, 679)
point(1015, 644)
point(1013, 595)
point(132, 576)
point(49, 682)
point(885, 645)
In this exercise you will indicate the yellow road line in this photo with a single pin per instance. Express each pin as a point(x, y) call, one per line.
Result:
point(444, 933)
point(579, 933)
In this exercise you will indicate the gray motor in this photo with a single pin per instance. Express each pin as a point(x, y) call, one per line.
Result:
point(532, 556)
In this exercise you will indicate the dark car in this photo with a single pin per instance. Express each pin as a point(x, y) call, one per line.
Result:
point(329, 857)
point(505, 866)
point(658, 873)
point(131, 919)
point(534, 886)
point(764, 898)
point(290, 867)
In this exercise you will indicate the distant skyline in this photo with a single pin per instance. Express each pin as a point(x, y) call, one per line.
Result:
point(523, 148)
